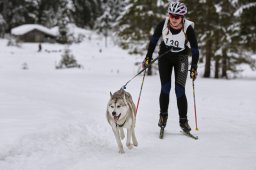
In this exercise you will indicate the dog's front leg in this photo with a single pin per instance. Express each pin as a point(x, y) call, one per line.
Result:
point(129, 135)
point(118, 140)
point(121, 131)
point(134, 139)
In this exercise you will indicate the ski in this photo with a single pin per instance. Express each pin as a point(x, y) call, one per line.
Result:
point(161, 136)
point(188, 134)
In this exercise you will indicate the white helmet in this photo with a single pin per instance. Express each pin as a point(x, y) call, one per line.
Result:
point(177, 8)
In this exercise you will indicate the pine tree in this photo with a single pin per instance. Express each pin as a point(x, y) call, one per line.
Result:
point(228, 43)
point(86, 12)
point(42, 12)
point(2, 20)
point(116, 7)
point(137, 24)
point(204, 15)
point(2, 26)
point(13, 13)
point(67, 60)
point(248, 24)
point(227, 36)
point(219, 35)
point(63, 22)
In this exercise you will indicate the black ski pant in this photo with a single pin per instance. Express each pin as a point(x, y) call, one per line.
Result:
point(166, 64)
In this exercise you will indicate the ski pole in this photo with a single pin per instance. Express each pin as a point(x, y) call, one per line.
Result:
point(138, 102)
point(195, 104)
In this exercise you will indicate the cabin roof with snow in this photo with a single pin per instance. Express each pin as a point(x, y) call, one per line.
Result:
point(24, 29)
point(34, 33)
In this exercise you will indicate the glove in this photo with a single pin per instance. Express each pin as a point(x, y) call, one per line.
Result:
point(146, 62)
point(193, 72)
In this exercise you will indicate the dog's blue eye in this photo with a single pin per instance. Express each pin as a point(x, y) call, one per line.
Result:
point(112, 106)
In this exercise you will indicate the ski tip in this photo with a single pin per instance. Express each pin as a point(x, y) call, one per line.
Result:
point(195, 137)
point(188, 134)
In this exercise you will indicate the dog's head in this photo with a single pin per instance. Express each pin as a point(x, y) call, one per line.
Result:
point(117, 106)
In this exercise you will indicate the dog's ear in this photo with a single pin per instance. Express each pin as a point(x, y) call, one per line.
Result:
point(124, 99)
point(111, 94)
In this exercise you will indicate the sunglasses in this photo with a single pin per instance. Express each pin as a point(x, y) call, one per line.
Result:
point(175, 16)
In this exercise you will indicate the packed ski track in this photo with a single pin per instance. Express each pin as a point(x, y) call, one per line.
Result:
point(55, 119)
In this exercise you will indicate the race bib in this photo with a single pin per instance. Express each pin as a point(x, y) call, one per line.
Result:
point(175, 40)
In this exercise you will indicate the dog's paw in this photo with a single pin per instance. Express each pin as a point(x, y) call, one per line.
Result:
point(121, 151)
point(135, 143)
point(129, 146)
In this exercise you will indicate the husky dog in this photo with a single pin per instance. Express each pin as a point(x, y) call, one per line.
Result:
point(121, 114)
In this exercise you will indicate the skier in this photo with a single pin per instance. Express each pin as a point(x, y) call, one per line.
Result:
point(177, 34)
point(39, 47)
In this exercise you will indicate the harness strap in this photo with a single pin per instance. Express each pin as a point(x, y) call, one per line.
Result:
point(117, 125)
point(183, 26)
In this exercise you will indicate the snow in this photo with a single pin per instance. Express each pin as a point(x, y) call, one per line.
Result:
point(23, 29)
point(240, 10)
point(55, 119)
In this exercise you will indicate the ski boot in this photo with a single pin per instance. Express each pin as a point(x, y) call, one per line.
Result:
point(162, 120)
point(162, 123)
point(185, 126)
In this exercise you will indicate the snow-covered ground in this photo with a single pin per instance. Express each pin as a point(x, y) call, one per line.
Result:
point(55, 119)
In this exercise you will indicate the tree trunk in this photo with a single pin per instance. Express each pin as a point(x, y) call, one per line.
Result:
point(224, 64)
point(217, 67)
point(207, 68)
